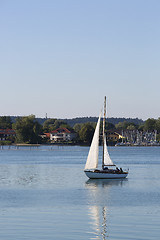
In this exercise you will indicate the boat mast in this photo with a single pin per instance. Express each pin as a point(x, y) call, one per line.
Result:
point(104, 118)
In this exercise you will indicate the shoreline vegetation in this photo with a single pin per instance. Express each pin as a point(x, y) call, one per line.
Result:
point(31, 131)
point(37, 146)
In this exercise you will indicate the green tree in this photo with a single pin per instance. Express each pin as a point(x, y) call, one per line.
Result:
point(65, 125)
point(27, 130)
point(48, 125)
point(109, 126)
point(126, 125)
point(141, 127)
point(86, 133)
point(5, 122)
point(131, 127)
point(60, 123)
point(77, 127)
point(52, 124)
point(150, 124)
point(157, 127)
point(120, 125)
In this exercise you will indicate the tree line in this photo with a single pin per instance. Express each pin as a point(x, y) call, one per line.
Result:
point(29, 130)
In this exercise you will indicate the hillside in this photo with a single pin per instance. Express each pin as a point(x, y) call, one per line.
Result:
point(114, 121)
point(73, 121)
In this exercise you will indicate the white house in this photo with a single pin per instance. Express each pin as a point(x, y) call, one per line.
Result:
point(62, 135)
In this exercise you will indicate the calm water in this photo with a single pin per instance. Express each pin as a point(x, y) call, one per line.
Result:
point(44, 194)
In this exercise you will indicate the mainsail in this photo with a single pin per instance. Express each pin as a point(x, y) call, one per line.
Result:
point(92, 160)
point(107, 159)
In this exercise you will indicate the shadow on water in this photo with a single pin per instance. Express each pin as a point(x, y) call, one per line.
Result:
point(98, 209)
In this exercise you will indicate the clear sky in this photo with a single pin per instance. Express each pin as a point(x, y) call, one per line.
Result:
point(61, 57)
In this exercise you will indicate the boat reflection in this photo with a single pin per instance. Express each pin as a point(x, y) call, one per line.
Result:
point(106, 182)
point(99, 201)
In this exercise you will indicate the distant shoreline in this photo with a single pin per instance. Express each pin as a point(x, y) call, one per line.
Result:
point(69, 144)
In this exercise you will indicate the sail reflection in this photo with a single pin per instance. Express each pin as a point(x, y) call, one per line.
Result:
point(99, 201)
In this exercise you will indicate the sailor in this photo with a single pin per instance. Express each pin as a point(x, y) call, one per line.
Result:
point(105, 168)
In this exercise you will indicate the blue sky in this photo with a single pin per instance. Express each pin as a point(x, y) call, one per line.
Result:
point(62, 57)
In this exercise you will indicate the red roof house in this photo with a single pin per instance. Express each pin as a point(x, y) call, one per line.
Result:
point(61, 135)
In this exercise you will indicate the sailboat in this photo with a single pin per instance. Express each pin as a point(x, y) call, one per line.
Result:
point(109, 169)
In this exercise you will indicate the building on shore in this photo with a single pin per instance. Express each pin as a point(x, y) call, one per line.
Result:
point(62, 135)
point(113, 136)
point(5, 134)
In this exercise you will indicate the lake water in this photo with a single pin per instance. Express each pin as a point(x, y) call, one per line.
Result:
point(44, 194)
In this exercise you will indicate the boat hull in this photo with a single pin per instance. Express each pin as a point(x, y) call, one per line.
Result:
point(105, 175)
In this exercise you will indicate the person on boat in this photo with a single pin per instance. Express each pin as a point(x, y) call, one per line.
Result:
point(105, 168)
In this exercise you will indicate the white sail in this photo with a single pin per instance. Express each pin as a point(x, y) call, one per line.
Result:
point(92, 160)
point(107, 159)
